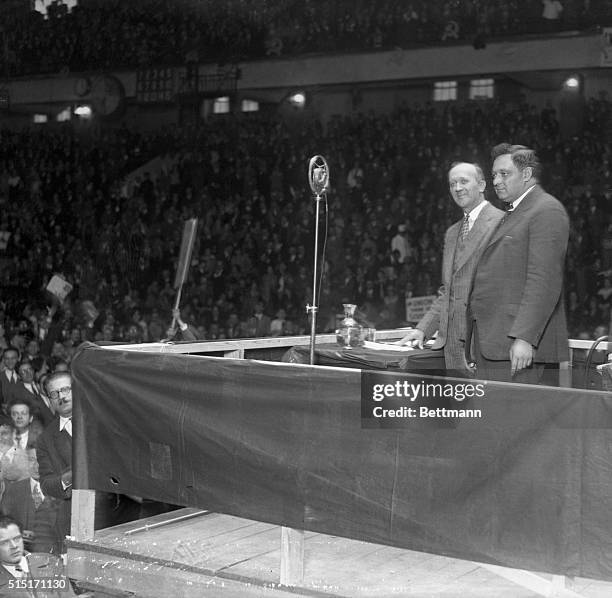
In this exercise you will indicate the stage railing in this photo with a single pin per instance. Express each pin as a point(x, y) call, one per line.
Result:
point(256, 348)
point(292, 541)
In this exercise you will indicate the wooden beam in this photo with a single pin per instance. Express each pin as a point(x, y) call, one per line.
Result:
point(565, 373)
point(292, 557)
point(83, 514)
point(555, 588)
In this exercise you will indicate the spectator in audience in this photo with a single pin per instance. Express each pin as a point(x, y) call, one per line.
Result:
point(16, 563)
point(25, 434)
point(22, 494)
point(8, 377)
point(279, 323)
point(54, 451)
point(13, 559)
point(55, 454)
point(259, 323)
point(401, 245)
point(28, 391)
point(551, 14)
point(186, 334)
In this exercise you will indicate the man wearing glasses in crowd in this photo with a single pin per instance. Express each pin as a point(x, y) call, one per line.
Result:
point(55, 452)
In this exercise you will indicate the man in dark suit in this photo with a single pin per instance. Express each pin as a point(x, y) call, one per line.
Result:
point(8, 377)
point(463, 243)
point(516, 304)
point(54, 451)
point(27, 389)
point(17, 566)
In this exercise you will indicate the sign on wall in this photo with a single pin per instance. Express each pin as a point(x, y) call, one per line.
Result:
point(416, 307)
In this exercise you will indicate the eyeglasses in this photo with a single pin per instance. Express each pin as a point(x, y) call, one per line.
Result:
point(55, 394)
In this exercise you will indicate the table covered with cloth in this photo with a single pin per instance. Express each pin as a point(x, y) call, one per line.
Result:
point(416, 361)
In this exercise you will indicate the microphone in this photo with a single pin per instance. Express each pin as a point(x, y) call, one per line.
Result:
point(318, 175)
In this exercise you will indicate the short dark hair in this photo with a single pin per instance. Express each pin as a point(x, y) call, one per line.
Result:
point(24, 362)
point(54, 376)
point(522, 157)
point(10, 348)
point(20, 401)
point(6, 520)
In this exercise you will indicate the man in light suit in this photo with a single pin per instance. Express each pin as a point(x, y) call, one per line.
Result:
point(463, 244)
point(516, 309)
point(22, 495)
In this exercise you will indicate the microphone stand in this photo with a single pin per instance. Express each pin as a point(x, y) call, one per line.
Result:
point(318, 176)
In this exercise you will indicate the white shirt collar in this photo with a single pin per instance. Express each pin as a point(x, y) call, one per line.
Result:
point(475, 212)
point(65, 421)
point(23, 563)
point(516, 202)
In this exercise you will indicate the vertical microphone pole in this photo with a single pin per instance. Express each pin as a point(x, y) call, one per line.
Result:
point(318, 177)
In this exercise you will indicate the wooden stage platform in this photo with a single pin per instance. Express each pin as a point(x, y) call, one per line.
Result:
point(193, 554)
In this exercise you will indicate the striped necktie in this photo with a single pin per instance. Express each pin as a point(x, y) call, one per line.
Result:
point(465, 227)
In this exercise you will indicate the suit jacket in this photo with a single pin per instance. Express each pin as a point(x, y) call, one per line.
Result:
point(448, 312)
point(6, 388)
point(54, 453)
point(40, 565)
point(39, 408)
point(18, 503)
point(518, 283)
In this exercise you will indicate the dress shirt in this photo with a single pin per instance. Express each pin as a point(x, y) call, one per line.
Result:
point(514, 204)
point(23, 568)
point(23, 440)
point(65, 423)
point(474, 214)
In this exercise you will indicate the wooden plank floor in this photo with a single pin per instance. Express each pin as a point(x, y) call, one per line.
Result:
point(220, 555)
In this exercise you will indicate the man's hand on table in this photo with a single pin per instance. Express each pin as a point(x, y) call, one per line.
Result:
point(414, 337)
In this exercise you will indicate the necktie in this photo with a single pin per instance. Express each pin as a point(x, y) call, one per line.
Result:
point(21, 574)
point(465, 227)
point(13, 378)
point(18, 439)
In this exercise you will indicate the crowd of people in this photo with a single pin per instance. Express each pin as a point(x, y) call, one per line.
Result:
point(77, 203)
point(69, 207)
point(99, 34)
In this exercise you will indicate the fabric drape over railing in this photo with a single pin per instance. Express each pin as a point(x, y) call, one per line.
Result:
point(528, 484)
